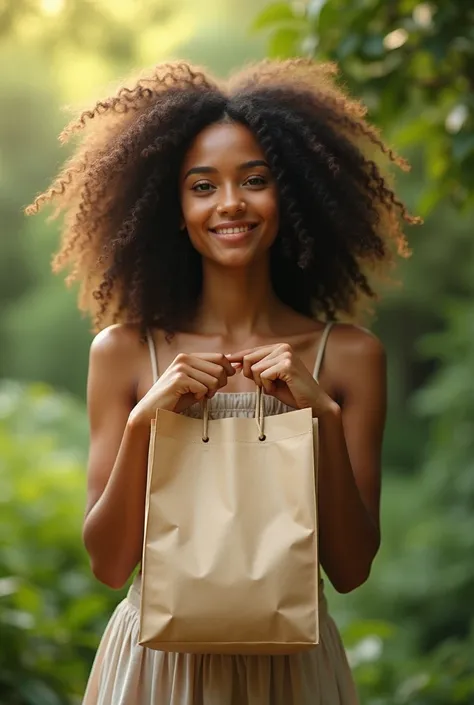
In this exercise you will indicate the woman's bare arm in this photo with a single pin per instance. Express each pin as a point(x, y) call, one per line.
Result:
point(350, 457)
point(113, 525)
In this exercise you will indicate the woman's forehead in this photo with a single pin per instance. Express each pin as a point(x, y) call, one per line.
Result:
point(223, 143)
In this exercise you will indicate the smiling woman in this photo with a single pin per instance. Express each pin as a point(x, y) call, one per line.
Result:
point(338, 214)
point(224, 228)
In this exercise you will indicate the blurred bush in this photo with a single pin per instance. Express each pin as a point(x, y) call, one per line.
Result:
point(52, 610)
point(387, 673)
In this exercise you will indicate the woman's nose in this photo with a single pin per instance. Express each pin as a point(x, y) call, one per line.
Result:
point(231, 203)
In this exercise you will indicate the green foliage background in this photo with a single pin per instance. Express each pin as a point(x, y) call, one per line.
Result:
point(409, 630)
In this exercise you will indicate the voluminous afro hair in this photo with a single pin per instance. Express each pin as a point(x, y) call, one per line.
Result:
point(119, 193)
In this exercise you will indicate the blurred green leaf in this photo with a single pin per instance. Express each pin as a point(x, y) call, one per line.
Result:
point(284, 43)
point(463, 145)
point(361, 629)
point(278, 12)
point(52, 610)
point(348, 45)
point(373, 47)
point(38, 693)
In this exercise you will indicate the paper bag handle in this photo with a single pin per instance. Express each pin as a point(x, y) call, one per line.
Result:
point(258, 417)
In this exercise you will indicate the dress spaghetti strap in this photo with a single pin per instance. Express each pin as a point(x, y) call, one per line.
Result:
point(153, 356)
point(321, 349)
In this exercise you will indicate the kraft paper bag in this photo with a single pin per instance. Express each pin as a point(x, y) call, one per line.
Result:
point(230, 556)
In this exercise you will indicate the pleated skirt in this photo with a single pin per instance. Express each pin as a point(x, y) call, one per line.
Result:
point(125, 673)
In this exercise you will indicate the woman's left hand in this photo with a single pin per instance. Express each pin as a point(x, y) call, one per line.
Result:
point(283, 375)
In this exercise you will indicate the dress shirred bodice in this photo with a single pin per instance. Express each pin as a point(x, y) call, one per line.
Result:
point(237, 405)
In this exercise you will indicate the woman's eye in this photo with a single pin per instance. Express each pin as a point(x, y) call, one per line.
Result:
point(256, 181)
point(202, 187)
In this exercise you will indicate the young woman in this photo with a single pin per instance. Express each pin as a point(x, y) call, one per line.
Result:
point(222, 229)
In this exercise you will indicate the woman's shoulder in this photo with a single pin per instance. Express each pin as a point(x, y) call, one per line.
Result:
point(350, 340)
point(345, 340)
point(119, 356)
point(356, 360)
point(121, 341)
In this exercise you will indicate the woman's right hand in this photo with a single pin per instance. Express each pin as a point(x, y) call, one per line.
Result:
point(187, 380)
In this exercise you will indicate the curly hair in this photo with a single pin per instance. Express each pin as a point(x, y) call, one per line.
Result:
point(340, 219)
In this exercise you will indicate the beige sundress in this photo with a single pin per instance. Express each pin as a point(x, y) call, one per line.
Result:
point(125, 673)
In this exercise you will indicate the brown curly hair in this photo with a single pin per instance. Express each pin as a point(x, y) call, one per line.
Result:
point(118, 194)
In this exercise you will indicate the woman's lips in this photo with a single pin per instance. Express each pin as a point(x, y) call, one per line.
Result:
point(233, 234)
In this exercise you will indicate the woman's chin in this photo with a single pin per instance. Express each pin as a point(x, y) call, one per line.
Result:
point(236, 259)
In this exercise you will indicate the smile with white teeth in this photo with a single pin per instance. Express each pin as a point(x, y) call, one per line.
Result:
point(233, 231)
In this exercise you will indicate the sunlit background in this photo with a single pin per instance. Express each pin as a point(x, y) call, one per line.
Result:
point(409, 631)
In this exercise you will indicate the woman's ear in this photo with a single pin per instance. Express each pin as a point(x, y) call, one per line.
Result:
point(182, 224)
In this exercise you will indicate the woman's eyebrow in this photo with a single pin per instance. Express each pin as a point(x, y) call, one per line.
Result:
point(213, 170)
point(201, 170)
point(252, 163)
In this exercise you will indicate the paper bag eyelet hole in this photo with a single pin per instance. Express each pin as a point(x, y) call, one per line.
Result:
point(205, 439)
point(262, 437)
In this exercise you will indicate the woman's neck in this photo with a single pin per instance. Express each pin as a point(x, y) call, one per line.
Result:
point(236, 303)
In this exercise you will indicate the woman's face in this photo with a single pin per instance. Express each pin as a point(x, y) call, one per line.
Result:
point(228, 196)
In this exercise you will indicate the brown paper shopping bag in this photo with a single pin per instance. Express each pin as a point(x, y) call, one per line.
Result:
point(230, 557)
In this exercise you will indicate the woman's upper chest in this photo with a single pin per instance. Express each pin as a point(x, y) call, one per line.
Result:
point(304, 346)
